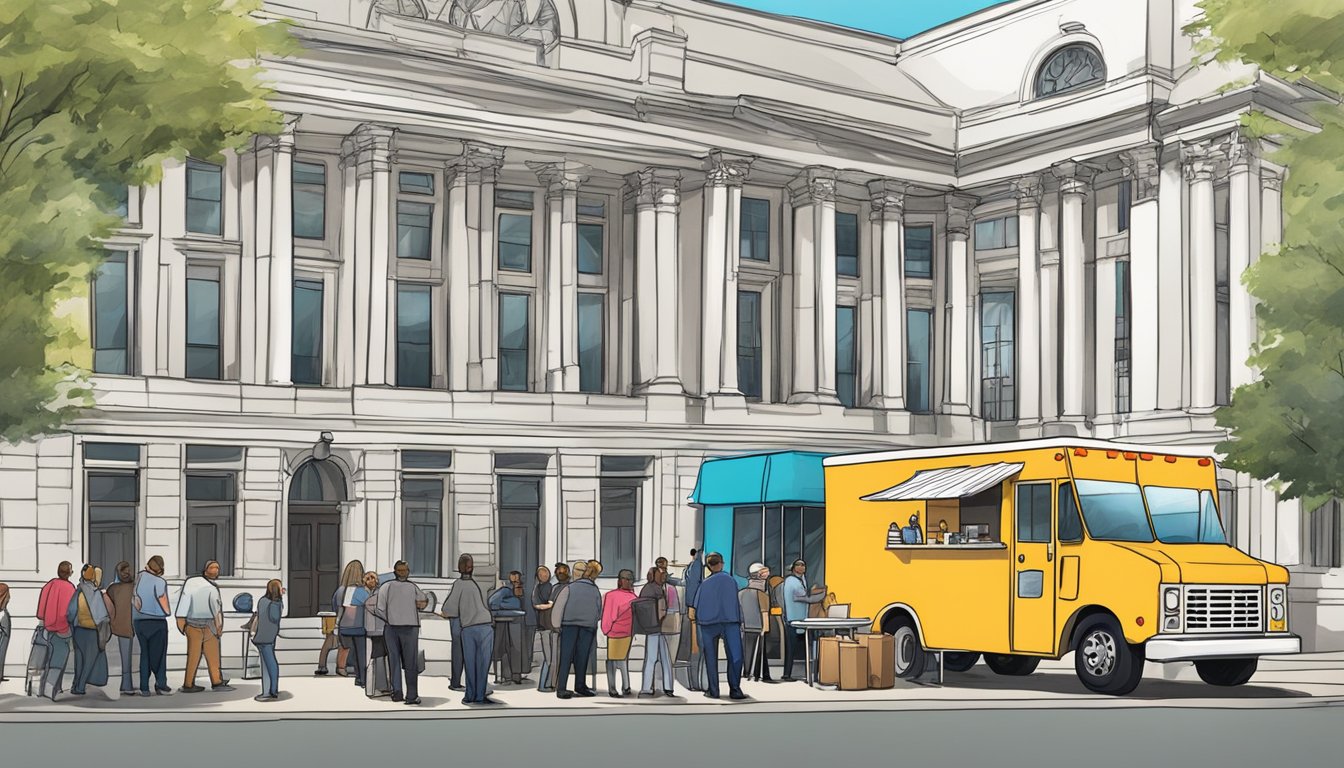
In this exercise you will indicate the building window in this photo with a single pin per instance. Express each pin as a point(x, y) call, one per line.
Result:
point(205, 196)
point(306, 333)
point(846, 356)
point(113, 498)
point(1123, 200)
point(755, 216)
point(203, 323)
point(620, 515)
point(918, 353)
point(414, 336)
point(592, 311)
point(415, 219)
point(515, 230)
point(423, 512)
point(776, 536)
point(514, 341)
point(427, 460)
point(310, 200)
point(1323, 531)
point(996, 233)
point(1069, 68)
point(111, 315)
point(996, 339)
point(211, 505)
point(519, 525)
point(749, 352)
point(590, 249)
point(847, 244)
point(1122, 334)
point(919, 252)
point(122, 452)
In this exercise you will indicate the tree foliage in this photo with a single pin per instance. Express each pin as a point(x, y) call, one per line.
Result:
point(1289, 424)
point(96, 95)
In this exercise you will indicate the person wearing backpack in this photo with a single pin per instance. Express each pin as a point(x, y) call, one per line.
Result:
point(350, 617)
point(265, 630)
point(650, 615)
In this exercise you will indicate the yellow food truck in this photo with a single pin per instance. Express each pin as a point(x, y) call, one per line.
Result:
point(1025, 551)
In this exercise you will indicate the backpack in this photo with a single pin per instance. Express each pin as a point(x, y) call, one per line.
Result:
point(645, 614)
point(242, 603)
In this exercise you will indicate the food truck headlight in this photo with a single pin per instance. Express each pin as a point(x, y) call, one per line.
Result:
point(1171, 599)
point(1277, 594)
point(1276, 613)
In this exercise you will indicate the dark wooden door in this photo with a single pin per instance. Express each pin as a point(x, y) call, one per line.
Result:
point(314, 559)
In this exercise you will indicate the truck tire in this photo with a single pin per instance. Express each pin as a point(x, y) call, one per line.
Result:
point(1010, 665)
point(910, 656)
point(954, 661)
point(1226, 672)
point(1105, 663)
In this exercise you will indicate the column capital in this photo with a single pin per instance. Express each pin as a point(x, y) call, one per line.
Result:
point(888, 198)
point(1199, 162)
point(283, 141)
point(727, 169)
point(1027, 190)
point(1242, 151)
point(563, 177)
point(959, 215)
point(815, 184)
point(1074, 177)
point(369, 148)
point(1143, 168)
point(476, 162)
point(655, 188)
point(1270, 179)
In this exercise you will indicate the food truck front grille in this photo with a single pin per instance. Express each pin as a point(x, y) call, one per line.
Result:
point(1223, 609)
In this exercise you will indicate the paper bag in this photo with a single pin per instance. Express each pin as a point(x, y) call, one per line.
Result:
point(828, 663)
point(853, 667)
point(881, 659)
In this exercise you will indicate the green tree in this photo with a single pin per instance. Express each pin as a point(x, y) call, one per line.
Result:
point(96, 95)
point(1289, 424)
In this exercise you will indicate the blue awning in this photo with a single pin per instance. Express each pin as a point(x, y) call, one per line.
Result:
point(765, 478)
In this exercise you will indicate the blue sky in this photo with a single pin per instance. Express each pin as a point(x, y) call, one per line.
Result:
point(896, 18)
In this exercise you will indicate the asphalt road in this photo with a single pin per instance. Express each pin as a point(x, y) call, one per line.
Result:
point(1122, 737)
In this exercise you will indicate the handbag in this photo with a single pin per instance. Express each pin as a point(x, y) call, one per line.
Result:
point(251, 626)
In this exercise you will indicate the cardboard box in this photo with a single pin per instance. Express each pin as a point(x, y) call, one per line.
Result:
point(853, 667)
point(828, 664)
point(881, 659)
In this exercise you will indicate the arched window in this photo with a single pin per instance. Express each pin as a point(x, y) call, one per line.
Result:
point(1074, 66)
point(537, 22)
point(413, 8)
point(317, 482)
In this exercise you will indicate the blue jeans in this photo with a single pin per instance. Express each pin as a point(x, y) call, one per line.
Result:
point(55, 671)
point(403, 650)
point(153, 636)
point(459, 653)
point(270, 669)
point(86, 656)
point(576, 648)
point(731, 634)
point(357, 656)
point(478, 642)
point(124, 649)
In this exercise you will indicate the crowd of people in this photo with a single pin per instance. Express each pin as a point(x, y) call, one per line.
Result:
point(689, 625)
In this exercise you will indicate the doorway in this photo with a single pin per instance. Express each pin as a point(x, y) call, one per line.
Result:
point(520, 528)
point(314, 536)
point(113, 501)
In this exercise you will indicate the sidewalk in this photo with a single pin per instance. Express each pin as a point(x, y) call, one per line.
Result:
point(1301, 681)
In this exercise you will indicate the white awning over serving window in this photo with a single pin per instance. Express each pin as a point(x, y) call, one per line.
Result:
point(949, 483)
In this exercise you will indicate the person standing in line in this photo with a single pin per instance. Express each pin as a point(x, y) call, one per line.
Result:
point(150, 615)
point(375, 648)
point(562, 579)
point(121, 598)
point(719, 617)
point(755, 605)
point(541, 606)
point(617, 625)
point(580, 611)
point(505, 604)
point(688, 650)
point(401, 605)
point(88, 617)
point(350, 616)
point(656, 652)
point(200, 617)
point(6, 630)
point(52, 604)
point(662, 564)
point(266, 629)
point(796, 599)
point(466, 602)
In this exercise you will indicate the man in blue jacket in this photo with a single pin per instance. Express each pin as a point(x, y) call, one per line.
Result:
point(719, 616)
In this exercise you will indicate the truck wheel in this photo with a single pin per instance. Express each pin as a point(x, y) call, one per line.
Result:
point(959, 662)
point(910, 656)
point(1226, 672)
point(1010, 665)
point(1105, 663)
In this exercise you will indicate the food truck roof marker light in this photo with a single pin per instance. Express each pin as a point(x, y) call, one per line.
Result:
point(1146, 456)
point(1112, 454)
point(1131, 456)
point(1204, 462)
point(1169, 459)
point(1079, 451)
point(1059, 457)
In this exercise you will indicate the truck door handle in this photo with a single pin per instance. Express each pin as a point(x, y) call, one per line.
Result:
point(1021, 558)
point(1050, 552)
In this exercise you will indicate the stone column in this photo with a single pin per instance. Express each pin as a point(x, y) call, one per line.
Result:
point(1028, 385)
point(280, 337)
point(1104, 328)
point(1141, 168)
point(372, 145)
point(1244, 245)
point(1075, 181)
point(725, 174)
point(470, 179)
point(657, 213)
point(960, 307)
point(561, 299)
point(346, 365)
point(1271, 209)
point(888, 246)
point(1171, 294)
point(813, 197)
point(1199, 166)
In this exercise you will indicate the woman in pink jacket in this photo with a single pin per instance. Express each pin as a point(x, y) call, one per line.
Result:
point(618, 626)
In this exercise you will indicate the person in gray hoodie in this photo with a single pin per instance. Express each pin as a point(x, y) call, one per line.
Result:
point(375, 649)
point(580, 610)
